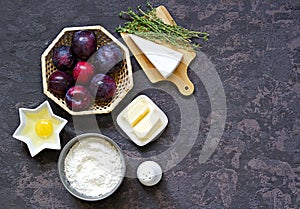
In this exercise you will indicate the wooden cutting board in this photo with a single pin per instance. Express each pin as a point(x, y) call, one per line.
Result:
point(179, 76)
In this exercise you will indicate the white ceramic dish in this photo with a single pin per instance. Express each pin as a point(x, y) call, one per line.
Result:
point(128, 130)
point(26, 132)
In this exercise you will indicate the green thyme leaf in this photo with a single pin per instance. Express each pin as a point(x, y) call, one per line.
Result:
point(147, 25)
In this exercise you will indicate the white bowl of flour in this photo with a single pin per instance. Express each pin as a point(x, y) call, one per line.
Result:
point(91, 166)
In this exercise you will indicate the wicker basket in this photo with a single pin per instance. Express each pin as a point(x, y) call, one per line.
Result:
point(123, 76)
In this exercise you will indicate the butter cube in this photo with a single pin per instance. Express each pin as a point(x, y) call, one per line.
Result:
point(147, 125)
point(136, 112)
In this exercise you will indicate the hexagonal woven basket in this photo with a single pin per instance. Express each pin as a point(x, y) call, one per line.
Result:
point(123, 76)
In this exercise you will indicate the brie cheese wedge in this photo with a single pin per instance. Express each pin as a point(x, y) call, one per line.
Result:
point(164, 59)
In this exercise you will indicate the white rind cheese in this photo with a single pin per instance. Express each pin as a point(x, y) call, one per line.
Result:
point(164, 59)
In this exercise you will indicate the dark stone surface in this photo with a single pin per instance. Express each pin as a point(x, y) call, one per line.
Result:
point(255, 47)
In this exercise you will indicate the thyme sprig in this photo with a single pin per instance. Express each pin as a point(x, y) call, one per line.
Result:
point(146, 24)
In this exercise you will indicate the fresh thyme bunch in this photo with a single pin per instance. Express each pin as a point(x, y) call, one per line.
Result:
point(146, 24)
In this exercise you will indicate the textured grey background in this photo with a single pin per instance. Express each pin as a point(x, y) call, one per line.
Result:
point(255, 47)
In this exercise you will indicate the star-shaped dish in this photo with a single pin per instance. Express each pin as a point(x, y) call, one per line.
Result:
point(26, 132)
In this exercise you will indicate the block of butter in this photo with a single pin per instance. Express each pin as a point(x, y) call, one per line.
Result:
point(136, 111)
point(147, 125)
point(142, 120)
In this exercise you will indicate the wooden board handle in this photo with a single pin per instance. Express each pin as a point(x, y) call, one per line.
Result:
point(182, 81)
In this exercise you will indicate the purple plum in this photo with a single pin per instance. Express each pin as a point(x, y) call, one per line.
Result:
point(59, 82)
point(78, 98)
point(103, 87)
point(84, 44)
point(63, 58)
point(106, 57)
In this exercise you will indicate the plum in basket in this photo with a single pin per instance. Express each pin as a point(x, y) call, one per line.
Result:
point(83, 72)
point(106, 57)
point(84, 44)
point(103, 87)
point(78, 98)
point(59, 82)
point(63, 58)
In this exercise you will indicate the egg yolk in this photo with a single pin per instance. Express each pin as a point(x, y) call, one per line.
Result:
point(43, 128)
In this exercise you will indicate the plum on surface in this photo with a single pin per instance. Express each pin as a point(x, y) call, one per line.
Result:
point(59, 82)
point(84, 44)
point(83, 72)
point(106, 57)
point(103, 87)
point(78, 98)
point(63, 58)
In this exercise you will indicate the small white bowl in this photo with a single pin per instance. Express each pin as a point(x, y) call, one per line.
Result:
point(34, 142)
point(128, 130)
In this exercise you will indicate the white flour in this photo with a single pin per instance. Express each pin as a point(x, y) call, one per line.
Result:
point(93, 166)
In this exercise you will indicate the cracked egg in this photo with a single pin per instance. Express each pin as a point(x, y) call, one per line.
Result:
point(39, 128)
